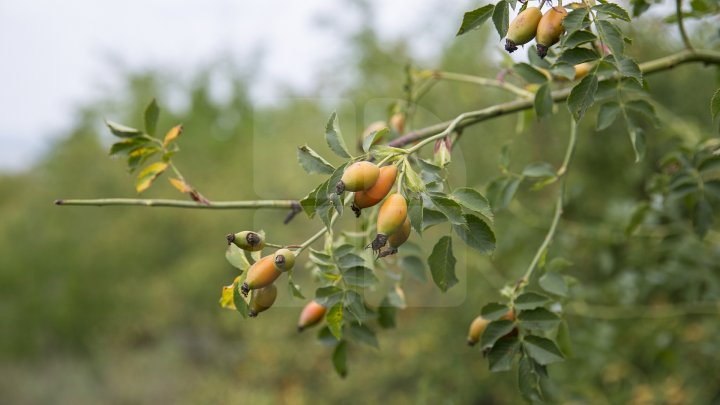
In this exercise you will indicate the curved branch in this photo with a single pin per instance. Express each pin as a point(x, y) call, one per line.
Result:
point(482, 81)
point(681, 25)
point(218, 205)
point(474, 117)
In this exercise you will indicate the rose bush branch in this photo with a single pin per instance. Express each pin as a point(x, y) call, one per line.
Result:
point(247, 204)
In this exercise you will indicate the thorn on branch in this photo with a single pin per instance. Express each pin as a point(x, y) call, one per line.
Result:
point(295, 209)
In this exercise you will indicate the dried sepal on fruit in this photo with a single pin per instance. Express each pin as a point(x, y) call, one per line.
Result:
point(247, 240)
point(375, 194)
point(311, 315)
point(391, 216)
point(260, 274)
point(522, 28)
point(284, 260)
point(397, 238)
point(262, 299)
point(550, 29)
point(358, 176)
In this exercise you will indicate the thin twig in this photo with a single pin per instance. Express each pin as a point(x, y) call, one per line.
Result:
point(483, 81)
point(681, 25)
point(248, 204)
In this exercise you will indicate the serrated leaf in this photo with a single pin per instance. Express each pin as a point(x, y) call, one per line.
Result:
point(432, 217)
point(578, 38)
point(152, 112)
point(370, 139)
point(125, 146)
point(339, 359)
point(501, 192)
point(448, 207)
point(334, 138)
point(349, 260)
point(328, 296)
point(413, 181)
point(628, 68)
point(554, 284)
point(501, 17)
point(474, 201)
point(415, 267)
point(576, 20)
point(415, 213)
point(326, 338)
point(312, 162)
point(122, 131)
point(294, 288)
point(543, 351)
point(612, 36)
point(529, 381)
point(476, 234)
point(472, 20)
point(500, 357)
point(236, 257)
point(530, 300)
point(562, 69)
point(442, 264)
point(538, 318)
point(494, 311)
point(607, 115)
point(582, 96)
point(494, 331)
point(172, 134)
point(575, 56)
point(355, 306)
point(530, 74)
point(612, 10)
point(715, 104)
point(543, 101)
point(644, 108)
point(363, 334)
point(148, 175)
point(360, 277)
point(334, 320)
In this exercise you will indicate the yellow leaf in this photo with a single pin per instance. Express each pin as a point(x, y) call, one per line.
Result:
point(148, 175)
point(172, 134)
point(180, 185)
point(226, 299)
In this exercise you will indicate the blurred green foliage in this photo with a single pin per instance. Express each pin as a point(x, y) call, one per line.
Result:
point(119, 305)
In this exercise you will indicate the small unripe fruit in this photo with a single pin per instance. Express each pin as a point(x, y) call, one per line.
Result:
point(260, 274)
point(549, 29)
point(397, 122)
point(358, 176)
point(311, 315)
point(373, 127)
point(391, 216)
point(262, 299)
point(397, 238)
point(522, 28)
point(247, 240)
point(284, 260)
point(477, 327)
point(375, 194)
point(582, 69)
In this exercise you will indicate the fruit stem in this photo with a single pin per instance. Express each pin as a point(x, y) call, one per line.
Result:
point(681, 26)
point(247, 204)
point(322, 231)
point(558, 210)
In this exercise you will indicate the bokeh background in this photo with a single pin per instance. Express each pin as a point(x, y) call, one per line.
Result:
point(119, 304)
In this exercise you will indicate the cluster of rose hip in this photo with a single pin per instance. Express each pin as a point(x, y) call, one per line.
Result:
point(370, 184)
point(532, 23)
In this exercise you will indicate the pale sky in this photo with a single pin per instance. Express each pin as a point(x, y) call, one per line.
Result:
point(58, 55)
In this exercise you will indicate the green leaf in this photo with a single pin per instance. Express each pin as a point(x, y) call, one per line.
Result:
point(363, 334)
point(386, 314)
point(494, 331)
point(629, 68)
point(370, 139)
point(637, 139)
point(530, 300)
point(294, 288)
point(326, 338)
point(448, 207)
point(535, 59)
point(501, 191)
point(240, 304)
point(125, 146)
point(644, 108)
point(349, 260)
point(355, 306)
point(122, 131)
point(529, 73)
point(334, 320)
point(501, 17)
point(578, 38)
point(328, 296)
point(415, 213)
point(494, 311)
point(612, 36)
point(637, 218)
point(334, 138)
point(607, 115)
point(442, 264)
point(310, 201)
point(543, 101)
point(575, 56)
point(563, 339)
point(413, 181)
point(476, 234)
point(562, 69)
point(415, 267)
point(312, 162)
point(612, 10)
point(152, 112)
point(702, 218)
point(236, 257)
point(582, 96)
point(539, 170)
point(472, 20)
point(554, 284)
point(339, 359)
point(500, 357)
point(538, 318)
point(543, 351)
point(715, 104)
point(474, 201)
point(360, 277)
point(148, 175)
point(529, 381)
point(431, 217)
point(576, 20)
